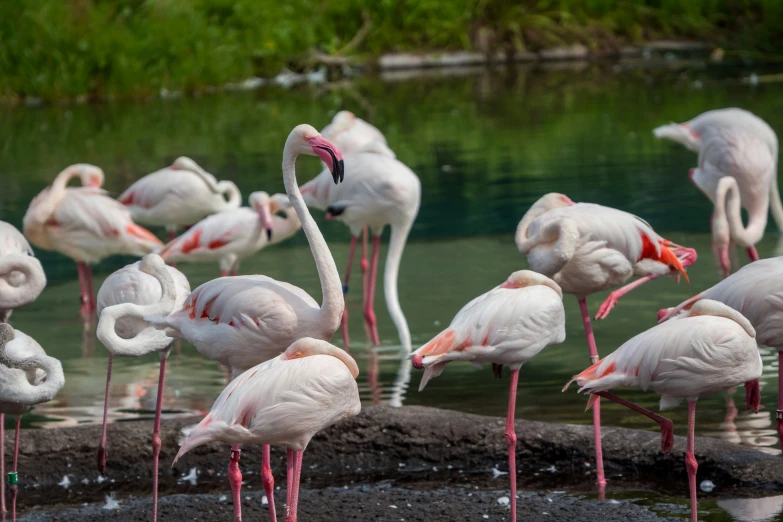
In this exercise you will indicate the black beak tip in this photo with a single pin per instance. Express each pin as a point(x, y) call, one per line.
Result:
point(268, 234)
point(338, 174)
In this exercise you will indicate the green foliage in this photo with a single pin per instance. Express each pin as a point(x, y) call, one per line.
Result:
point(67, 48)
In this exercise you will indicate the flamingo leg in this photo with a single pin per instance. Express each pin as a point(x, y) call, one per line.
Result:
point(156, 442)
point(753, 395)
point(102, 453)
point(722, 254)
point(511, 439)
point(667, 431)
point(2, 465)
point(268, 480)
point(223, 273)
point(289, 477)
point(235, 479)
point(346, 280)
point(690, 459)
point(295, 484)
point(13, 477)
point(599, 458)
point(779, 412)
point(90, 292)
point(365, 266)
point(753, 254)
point(369, 305)
point(83, 297)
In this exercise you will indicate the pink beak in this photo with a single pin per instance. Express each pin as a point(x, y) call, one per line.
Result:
point(265, 217)
point(330, 155)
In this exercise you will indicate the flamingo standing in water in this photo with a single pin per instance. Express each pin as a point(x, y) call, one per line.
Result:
point(379, 191)
point(352, 135)
point(709, 349)
point(142, 288)
point(508, 325)
point(85, 225)
point(285, 400)
point(587, 248)
point(27, 377)
point(755, 291)
point(233, 235)
point(179, 195)
point(737, 169)
point(245, 320)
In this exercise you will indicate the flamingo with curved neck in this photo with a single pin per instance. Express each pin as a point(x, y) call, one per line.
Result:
point(27, 377)
point(228, 189)
point(22, 278)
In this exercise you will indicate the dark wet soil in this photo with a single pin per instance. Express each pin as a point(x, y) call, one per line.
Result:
point(429, 458)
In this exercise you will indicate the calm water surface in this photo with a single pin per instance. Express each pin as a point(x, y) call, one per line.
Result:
point(485, 146)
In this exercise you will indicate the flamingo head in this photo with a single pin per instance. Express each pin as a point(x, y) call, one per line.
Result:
point(662, 313)
point(343, 121)
point(184, 163)
point(262, 204)
point(309, 141)
point(307, 346)
point(91, 176)
point(525, 278)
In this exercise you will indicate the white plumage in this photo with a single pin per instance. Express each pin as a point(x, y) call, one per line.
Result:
point(22, 277)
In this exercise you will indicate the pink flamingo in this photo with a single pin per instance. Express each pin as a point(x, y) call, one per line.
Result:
point(352, 135)
point(27, 377)
point(587, 248)
point(508, 325)
point(233, 235)
point(142, 288)
point(755, 291)
point(179, 195)
point(245, 320)
point(285, 400)
point(378, 191)
point(737, 169)
point(85, 225)
point(709, 349)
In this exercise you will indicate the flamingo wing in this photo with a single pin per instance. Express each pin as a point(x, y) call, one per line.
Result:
point(216, 235)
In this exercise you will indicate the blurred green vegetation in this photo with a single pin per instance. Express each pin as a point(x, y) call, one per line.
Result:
point(56, 49)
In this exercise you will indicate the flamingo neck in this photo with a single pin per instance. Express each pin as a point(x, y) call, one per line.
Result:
point(34, 280)
point(26, 393)
point(230, 190)
point(399, 235)
point(728, 216)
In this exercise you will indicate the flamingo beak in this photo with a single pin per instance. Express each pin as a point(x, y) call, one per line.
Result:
point(265, 218)
point(330, 155)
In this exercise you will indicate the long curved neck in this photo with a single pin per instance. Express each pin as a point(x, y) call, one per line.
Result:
point(229, 189)
point(728, 214)
point(333, 303)
point(775, 204)
point(521, 237)
point(149, 339)
point(51, 197)
point(34, 280)
point(399, 234)
point(26, 393)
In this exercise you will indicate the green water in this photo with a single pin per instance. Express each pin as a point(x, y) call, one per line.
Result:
point(485, 146)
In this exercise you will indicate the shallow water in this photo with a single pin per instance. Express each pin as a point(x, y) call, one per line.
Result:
point(485, 146)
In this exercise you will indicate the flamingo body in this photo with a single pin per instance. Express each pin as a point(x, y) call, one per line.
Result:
point(351, 135)
point(20, 388)
point(22, 278)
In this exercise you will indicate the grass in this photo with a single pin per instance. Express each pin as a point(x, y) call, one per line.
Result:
point(62, 49)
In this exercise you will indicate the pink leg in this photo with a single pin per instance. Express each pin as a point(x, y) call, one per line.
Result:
point(156, 443)
point(346, 280)
point(233, 273)
point(90, 292)
point(723, 260)
point(372, 377)
point(369, 306)
point(511, 440)
point(15, 477)
point(753, 254)
point(295, 486)
point(83, 295)
point(731, 408)
point(779, 412)
point(268, 480)
point(102, 453)
point(667, 431)
point(289, 477)
point(365, 266)
point(172, 235)
point(690, 459)
point(224, 273)
point(753, 395)
point(599, 458)
point(235, 479)
point(2, 465)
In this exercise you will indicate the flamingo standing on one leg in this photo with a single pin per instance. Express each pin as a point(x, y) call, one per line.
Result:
point(27, 377)
point(587, 248)
point(245, 320)
point(738, 155)
point(755, 291)
point(285, 400)
point(508, 325)
point(142, 288)
point(709, 349)
point(378, 191)
point(85, 225)
point(179, 195)
point(233, 235)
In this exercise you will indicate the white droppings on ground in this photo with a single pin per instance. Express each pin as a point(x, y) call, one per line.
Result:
point(550, 469)
point(65, 482)
point(393, 506)
point(497, 473)
point(100, 480)
point(191, 477)
point(264, 501)
point(503, 501)
point(614, 501)
point(706, 486)
point(111, 503)
point(484, 516)
point(85, 481)
point(400, 465)
point(222, 498)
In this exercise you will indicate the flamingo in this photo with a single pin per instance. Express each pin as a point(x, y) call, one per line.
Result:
point(508, 325)
point(710, 349)
point(142, 288)
point(351, 135)
point(179, 195)
point(27, 377)
point(737, 169)
point(379, 191)
point(85, 225)
point(232, 235)
point(22, 277)
point(285, 400)
point(755, 291)
point(587, 248)
point(245, 320)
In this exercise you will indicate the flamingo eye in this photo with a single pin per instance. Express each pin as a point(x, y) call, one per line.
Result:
point(298, 355)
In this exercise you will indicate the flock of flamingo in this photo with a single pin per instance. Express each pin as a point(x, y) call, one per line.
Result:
point(288, 382)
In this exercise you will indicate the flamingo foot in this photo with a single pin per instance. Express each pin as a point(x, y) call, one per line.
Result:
point(753, 395)
point(607, 305)
point(268, 481)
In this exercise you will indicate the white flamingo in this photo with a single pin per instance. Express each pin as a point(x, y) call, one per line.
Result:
point(22, 277)
point(351, 135)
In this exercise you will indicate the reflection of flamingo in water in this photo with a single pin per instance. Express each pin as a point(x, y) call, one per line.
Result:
point(145, 287)
point(755, 291)
point(27, 377)
point(737, 168)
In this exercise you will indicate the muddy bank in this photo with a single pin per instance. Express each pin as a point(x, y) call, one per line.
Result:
point(414, 448)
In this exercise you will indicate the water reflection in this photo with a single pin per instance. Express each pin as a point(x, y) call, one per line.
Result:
point(753, 509)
